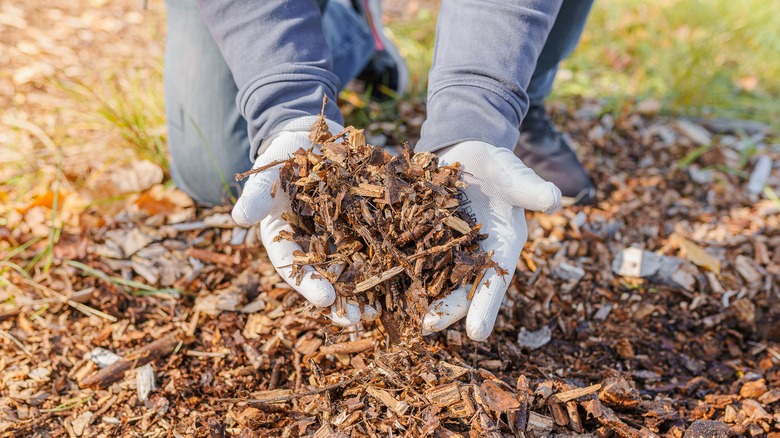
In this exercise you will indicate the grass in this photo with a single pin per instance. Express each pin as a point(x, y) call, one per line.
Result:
point(696, 57)
point(130, 286)
point(129, 103)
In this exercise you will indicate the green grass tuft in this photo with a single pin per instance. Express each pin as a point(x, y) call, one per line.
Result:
point(130, 103)
point(697, 57)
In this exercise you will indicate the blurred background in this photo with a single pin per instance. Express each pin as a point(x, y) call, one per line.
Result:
point(81, 87)
point(81, 84)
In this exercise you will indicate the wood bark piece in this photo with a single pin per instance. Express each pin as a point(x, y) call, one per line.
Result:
point(357, 346)
point(540, 424)
point(444, 395)
point(377, 279)
point(576, 393)
point(496, 398)
point(575, 422)
point(398, 406)
point(116, 371)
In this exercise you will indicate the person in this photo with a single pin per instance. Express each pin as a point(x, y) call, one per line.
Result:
point(244, 81)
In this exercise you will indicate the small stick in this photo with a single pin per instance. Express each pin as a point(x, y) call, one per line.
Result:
point(572, 394)
point(110, 374)
point(11, 338)
point(377, 279)
point(475, 285)
point(294, 396)
point(441, 248)
point(242, 175)
point(348, 347)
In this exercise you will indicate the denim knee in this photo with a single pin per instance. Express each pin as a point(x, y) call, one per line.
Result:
point(207, 136)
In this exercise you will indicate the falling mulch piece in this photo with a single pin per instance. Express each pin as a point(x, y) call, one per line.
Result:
point(386, 230)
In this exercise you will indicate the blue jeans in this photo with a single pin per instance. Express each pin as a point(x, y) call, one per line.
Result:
point(208, 136)
point(563, 38)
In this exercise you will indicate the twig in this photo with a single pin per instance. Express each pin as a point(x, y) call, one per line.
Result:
point(196, 353)
point(290, 397)
point(348, 347)
point(242, 175)
point(11, 338)
point(476, 285)
point(572, 394)
point(377, 279)
point(769, 349)
point(110, 374)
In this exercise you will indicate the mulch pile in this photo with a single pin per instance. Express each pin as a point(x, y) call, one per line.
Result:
point(387, 231)
point(171, 321)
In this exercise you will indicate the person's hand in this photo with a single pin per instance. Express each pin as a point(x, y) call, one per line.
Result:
point(499, 188)
point(256, 204)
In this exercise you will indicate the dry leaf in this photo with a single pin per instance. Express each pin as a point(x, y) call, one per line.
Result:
point(496, 398)
point(171, 203)
point(136, 176)
point(698, 256)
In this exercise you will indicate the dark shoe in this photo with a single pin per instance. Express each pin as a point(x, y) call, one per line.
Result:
point(385, 75)
point(549, 154)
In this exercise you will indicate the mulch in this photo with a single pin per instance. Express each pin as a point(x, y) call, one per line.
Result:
point(154, 317)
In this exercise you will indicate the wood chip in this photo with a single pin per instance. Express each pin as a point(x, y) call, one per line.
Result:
point(357, 346)
point(444, 395)
point(576, 393)
point(398, 406)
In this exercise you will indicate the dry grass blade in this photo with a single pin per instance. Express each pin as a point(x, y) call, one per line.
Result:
point(16, 342)
point(83, 308)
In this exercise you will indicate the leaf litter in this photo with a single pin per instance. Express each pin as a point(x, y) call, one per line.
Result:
point(628, 356)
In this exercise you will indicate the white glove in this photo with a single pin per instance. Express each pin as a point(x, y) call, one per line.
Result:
point(499, 188)
point(257, 205)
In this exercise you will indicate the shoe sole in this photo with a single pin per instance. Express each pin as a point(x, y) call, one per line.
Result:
point(585, 197)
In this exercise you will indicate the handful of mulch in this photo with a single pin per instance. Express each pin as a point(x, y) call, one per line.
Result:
point(386, 231)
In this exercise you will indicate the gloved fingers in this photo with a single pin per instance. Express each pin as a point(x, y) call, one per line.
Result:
point(370, 313)
point(444, 312)
point(317, 290)
point(521, 186)
point(485, 305)
point(255, 201)
point(352, 314)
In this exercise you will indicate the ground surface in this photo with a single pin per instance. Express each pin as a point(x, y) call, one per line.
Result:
point(183, 295)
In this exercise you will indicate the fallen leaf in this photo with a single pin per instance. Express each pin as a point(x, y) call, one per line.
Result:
point(496, 398)
point(45, 200)
point(698, 256)
point(170, 203)
point(135, 177)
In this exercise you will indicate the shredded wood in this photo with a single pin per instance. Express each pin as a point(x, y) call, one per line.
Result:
point(386, 230)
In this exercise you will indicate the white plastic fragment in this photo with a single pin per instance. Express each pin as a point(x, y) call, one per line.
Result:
point(144, 381)
point(567, 271)
point(694, 132)
point(603, 312)
point(760, 175)
point(238, 236)
point(536, 339)
point(102, 357)
point(636, 262)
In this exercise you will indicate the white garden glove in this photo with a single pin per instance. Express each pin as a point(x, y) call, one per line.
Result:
point(257, 205)
point(499, 188)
